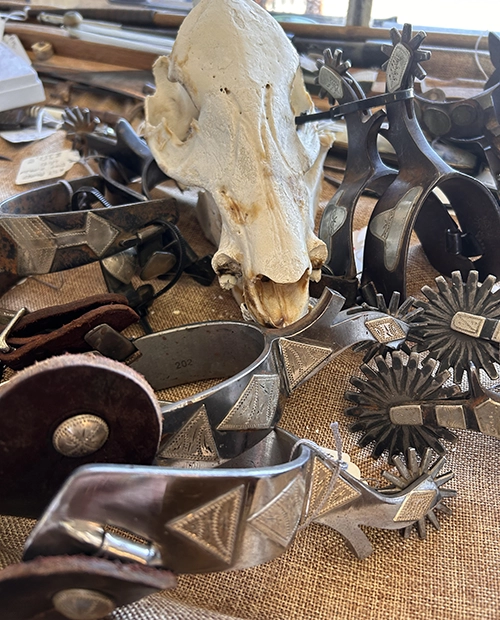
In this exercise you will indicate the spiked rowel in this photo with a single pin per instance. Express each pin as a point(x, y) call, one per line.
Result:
point(340, 66)
point(410, 471)
point(78, 120)
point(460, 324)
point(404, 404)
point(406, 39)
point(391, 405)
point(376, 301)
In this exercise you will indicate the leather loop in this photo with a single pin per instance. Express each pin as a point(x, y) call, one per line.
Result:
point(68, 324)
point(27, 590)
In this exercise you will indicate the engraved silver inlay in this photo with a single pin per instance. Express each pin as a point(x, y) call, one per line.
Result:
point(213, 526)
point(82, 604)
point(451, 416)
point(38, 244)
point(333, 218)
point(300, 360)
point(320, 477)
point(279, 519)
point(396, 67)
point(416, 505)
point(331, 82)
point(406, 414)
point(256, 407)
point(488, 417)
point(341, 494)
point(80, 435)
point(193, 441)
point(389, 225)
point(385, 329)
point(496, 333)
point(100, 233)
point(469, 324)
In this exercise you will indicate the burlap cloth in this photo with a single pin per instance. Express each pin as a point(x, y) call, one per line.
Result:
point(452, 574)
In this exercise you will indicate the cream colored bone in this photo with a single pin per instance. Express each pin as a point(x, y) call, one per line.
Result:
point(222, 120)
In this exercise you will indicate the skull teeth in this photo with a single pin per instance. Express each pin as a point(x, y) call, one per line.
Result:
point(227, 281)
point(315, 275)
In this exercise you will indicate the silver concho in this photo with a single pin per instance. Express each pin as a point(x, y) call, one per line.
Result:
point(81, 604)
point(80, 435)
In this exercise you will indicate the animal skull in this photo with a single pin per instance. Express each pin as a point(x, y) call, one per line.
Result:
point(222, 120)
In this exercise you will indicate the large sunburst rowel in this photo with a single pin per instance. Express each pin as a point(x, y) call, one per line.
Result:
point(460, 324)
point(389, 404)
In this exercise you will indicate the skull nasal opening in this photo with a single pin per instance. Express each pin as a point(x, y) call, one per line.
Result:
point(224, 264)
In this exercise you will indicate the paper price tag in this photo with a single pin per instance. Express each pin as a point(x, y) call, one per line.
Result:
point(44, 167)
point(28, 134)
point(352, 468)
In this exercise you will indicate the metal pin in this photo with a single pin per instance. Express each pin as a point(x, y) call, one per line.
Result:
point(4, 347)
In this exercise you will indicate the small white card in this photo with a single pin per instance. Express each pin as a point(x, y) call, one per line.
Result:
point(28, 134)
point(48, 166)
point(13, 41)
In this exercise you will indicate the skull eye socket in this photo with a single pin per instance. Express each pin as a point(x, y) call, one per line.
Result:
point(172, 105)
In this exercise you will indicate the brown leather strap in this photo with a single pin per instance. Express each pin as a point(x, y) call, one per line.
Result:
point(68, 324)
point(54, 317)
point(27, 590)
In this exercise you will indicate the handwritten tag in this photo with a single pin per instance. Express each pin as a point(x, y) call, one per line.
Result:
point(44, 167)
point(28, 134)
point(352, 468)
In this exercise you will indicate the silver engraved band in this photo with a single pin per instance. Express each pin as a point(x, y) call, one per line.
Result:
point(259, 367)
point(226, 518)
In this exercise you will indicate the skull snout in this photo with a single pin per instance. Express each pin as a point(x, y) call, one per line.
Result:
point(318, 253)
point(228, 270)
point(276, 305)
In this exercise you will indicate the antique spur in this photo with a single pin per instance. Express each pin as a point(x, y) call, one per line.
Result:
point(406, 401)
point(116, 525)
point(264, 367)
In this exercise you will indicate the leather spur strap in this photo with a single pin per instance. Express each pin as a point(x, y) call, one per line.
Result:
point(62, 329)
point(62, 587)
point(65, 412)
